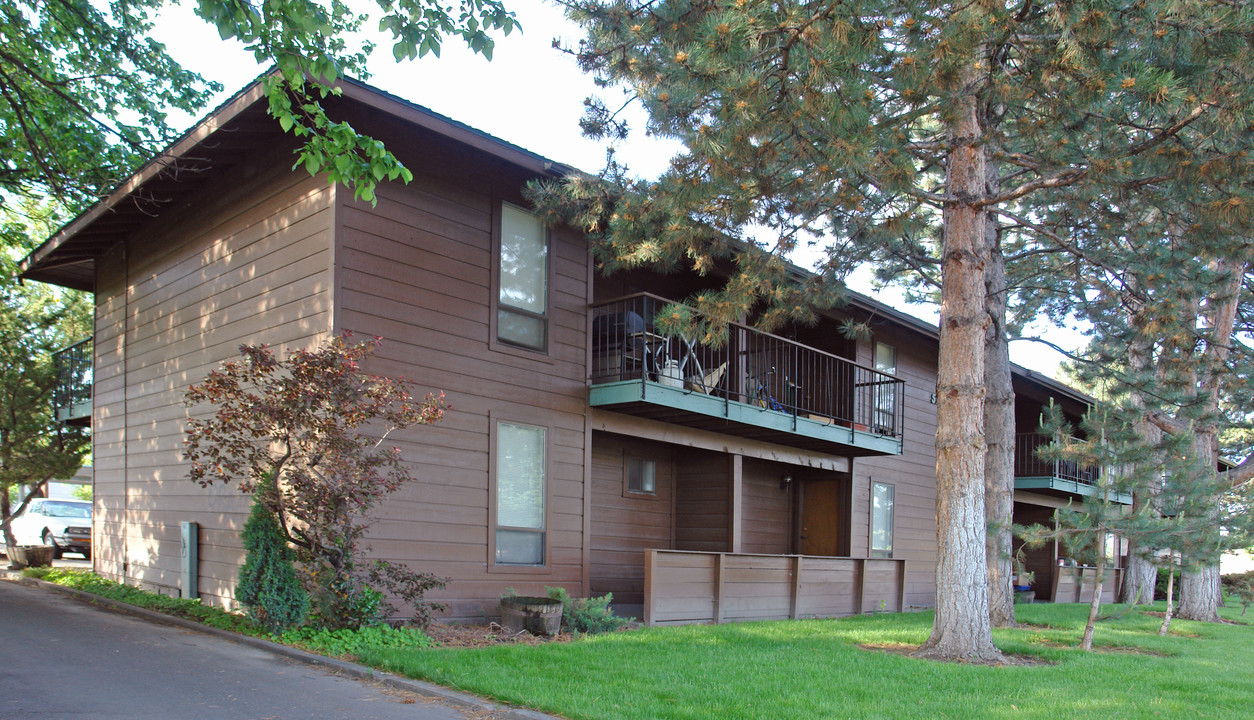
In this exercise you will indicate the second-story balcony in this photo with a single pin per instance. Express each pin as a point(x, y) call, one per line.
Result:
point(1054, 476)
point(71, 398)
point(754, 385)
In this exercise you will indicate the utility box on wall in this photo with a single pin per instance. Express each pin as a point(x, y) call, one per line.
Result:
point(190, 566)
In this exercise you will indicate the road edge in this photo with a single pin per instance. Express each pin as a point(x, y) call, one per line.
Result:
point(344, 667)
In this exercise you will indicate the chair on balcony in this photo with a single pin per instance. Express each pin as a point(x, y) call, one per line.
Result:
point(619, 346)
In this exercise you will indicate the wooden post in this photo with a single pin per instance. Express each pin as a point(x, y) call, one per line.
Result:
point(796, 587)
point(650, 568)
point(718, 588)
point(859, 586)
point(901, 586)
point(735, 507)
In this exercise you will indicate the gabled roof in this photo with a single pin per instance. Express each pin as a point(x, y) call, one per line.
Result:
point(237, 130)
point(231, 134)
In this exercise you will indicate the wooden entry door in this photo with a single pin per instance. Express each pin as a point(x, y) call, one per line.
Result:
point(824, 517)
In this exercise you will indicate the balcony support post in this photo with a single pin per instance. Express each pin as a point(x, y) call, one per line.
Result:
point(735, 506)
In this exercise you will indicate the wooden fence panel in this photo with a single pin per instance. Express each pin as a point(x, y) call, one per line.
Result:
point(1076, 584)
point(704, 587)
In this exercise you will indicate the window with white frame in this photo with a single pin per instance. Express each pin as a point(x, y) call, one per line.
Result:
point(520, 494)
point(881, 520)
point(885, 388)
point(523, 280)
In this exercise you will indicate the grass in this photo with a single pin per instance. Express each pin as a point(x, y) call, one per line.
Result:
point(810, 669)
point(816, 669)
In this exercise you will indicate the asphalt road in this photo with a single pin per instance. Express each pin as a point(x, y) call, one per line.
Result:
point(61, 658)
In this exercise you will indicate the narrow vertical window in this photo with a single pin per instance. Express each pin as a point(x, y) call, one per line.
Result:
point(881, 520)
point(520, 490)
point(523, 265)
point(885, 388)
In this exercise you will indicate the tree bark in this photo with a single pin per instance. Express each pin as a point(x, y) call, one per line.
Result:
point(1141, 577)
point(961, 629)
point(1199, 594)
point(1200, 591)
point(999, 438)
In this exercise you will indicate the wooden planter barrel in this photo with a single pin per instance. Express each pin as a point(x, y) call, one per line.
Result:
point(536, 615)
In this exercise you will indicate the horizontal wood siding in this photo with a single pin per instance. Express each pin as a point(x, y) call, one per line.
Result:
point(689, 587)
point(625, 525)
point(416, 270)
point(108, 419)
point(767, 508)
point(249, 264)
point(702, 489)
point(912, 474)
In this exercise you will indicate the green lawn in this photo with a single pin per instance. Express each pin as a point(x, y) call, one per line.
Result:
point(815, 669)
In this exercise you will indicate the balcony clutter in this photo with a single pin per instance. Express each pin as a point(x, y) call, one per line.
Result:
point(754, 378)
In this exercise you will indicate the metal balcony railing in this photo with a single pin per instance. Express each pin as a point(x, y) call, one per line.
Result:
point(752, 367)
point(1029, 463)
point(71, 398)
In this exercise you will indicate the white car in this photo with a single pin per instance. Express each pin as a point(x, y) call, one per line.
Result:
point(63, 524)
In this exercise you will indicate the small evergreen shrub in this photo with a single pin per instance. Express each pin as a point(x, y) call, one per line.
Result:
point(268, 586)
point(587, 615)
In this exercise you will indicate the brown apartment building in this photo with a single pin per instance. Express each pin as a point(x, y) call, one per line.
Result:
point(778, 475)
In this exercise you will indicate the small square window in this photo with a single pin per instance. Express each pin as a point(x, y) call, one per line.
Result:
point(641, 476)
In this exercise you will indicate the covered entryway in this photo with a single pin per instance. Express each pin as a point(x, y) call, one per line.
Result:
point(824, 514)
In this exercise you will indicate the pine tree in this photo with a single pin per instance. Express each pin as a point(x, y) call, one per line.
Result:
point(872, 124)
point(1161, 276)
point(268, 585)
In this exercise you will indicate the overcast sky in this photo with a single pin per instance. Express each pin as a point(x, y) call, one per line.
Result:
point(530, 94)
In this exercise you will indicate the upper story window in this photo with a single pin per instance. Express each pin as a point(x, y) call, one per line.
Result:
point(523, 277)
point(885, 393)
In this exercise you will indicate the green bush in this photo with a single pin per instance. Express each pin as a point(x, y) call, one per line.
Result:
point(268, 586)
point(1160, 585)
point(342, 643)
point(409, 586)
point(587, 615)
point(1241, 587)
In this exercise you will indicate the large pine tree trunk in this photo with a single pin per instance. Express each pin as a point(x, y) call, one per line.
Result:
point(1141, 576)
point(999, 434)
point(961, 628)
point(1139, 579)
point(1199, 588)
point(1199, 594)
